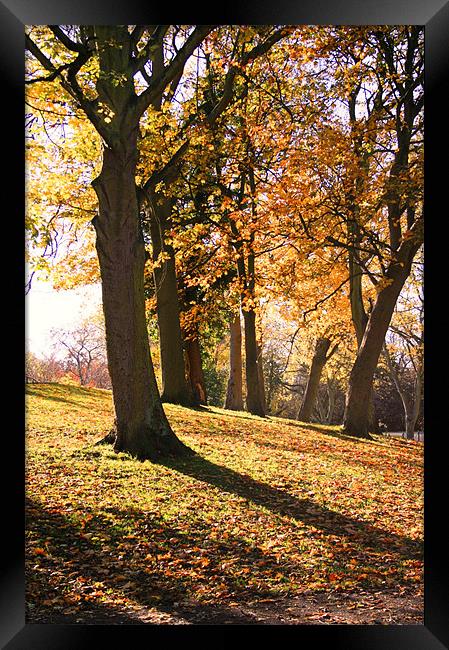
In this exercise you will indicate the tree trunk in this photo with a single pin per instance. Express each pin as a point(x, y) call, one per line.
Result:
point(253, 392)
point(313, 382)
point(411, 404)
point(356, 417)
point(175, 387)
point(142, 428)
point(416, 404)
point(195, 370)
point(234, 396)
point(403, 245)
point(254, 402)
point(358, 313)
point(410, 422)
point(331, 401)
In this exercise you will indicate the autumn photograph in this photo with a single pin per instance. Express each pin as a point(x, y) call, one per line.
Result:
point(224, 325)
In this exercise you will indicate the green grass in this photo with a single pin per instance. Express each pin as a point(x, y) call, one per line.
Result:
point(266, 508)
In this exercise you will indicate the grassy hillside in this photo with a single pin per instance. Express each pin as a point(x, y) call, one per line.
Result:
point(268, 509)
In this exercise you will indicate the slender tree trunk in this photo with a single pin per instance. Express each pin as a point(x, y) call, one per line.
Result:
point(411, 414)
point(358, 313)
point(411, 404)
point(254, 402)
point(416, 404)
point(263, 398)
point(331, 401)
point(319, 410)
point(234, 396)
point(175, 387)
point(410, 422)
point(313, 382)
point(271, 383)
point(246, 273)
point(195, 370)
point(142, 428)
point(253, 392)
point(356, 417)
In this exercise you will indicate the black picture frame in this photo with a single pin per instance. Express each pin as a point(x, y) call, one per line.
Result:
point(434, 14)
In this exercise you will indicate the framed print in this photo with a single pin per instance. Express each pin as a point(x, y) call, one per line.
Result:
point(17, 632)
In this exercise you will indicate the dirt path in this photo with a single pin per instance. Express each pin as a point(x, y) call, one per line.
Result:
point(324, 609)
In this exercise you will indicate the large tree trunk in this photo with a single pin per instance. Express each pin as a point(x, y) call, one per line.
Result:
point(175, 387)
point(313, 382)
point(356, 417)
point(195, 370)
point(355, 190)
point(358, 313)
point(142, 428)
point(234, 396)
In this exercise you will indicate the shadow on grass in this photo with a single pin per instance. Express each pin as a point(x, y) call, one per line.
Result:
point(219, 413)
point(160, 567)
point(376, 440)
point(60, 393)
point(306, 511)
point(328, 431)
point(72, 389)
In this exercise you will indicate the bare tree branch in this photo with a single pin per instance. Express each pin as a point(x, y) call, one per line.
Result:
point(170, 72)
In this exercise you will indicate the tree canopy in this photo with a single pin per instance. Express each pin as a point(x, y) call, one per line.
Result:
point(197, 171)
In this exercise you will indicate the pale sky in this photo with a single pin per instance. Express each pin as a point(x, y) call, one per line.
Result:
point(46, 308)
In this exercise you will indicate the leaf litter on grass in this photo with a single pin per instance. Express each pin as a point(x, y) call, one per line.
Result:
point(267, 509)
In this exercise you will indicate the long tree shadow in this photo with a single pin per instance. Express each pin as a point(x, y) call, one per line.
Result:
point(139, 568)
point(63, 393)
point(304, 510)
point(332, 432)
point(219, 414)
point(36, 391)
point(329, 431)
point(280, 443)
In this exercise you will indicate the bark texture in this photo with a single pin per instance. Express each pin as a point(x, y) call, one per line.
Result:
point(142, 428)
